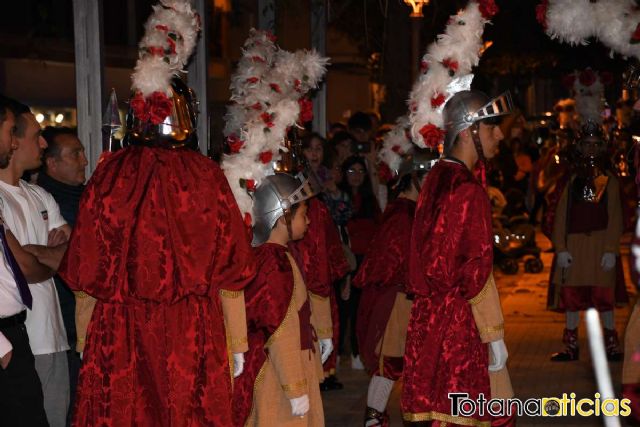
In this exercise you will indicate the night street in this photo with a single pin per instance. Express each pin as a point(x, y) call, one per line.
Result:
point(531, 332)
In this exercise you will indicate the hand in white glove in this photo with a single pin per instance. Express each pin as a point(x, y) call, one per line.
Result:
point(300, 405)
point(326, 347)
point(564, 259)
point(499, 355)
point(608, 261)
point(238, 364)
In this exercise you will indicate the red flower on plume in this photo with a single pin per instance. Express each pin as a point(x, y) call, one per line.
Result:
point(587, 77)
point(606, 78)
point(234, 143)
point(162, 28)
point(541, 13)
point(250, 184)
point(275, 87)
point(159, 107)
point(267, 118)
point(568, 80)
point(432, 135)
point(413, 107)
point(271, 37)
point(172, 45)
point(297, 85)
point(306, 110)
point(396, 149)
point(424, 67)
point(247, 219)
point(450, 64)
point(384, 172)
point(155, 50)
point(138, 105)
point(266, 157)
point(257, 106)
point(257, 58)
point(437, 100)
point(488, 8)
point(635, 37)
point(252, 80)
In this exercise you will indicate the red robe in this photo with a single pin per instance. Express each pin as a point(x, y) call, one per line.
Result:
point(267, 299)
point(384, 272)
point(158, 236)
point(450, 262)
point(322, 262)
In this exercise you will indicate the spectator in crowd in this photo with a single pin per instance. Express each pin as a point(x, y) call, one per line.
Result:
point(63, 175)
point(335, 128)
point(34, 217)
point(342, 143)
point(361, 228)
point(21, 401)
point(313, 147)
point(361, 127)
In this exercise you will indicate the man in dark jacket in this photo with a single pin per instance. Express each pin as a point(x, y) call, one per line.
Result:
point(63, 175)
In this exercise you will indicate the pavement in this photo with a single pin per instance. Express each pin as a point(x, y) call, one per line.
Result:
point(531, 333)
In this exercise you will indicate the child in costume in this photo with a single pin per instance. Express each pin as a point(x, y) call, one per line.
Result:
point(383, 315)
point(283, 367)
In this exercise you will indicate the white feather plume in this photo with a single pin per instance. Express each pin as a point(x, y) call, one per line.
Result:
point(171, 33)
point(613, 22)
point(265, 91)
point(452, 55)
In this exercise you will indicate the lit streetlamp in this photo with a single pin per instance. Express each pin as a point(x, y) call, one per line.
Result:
point(416, 24)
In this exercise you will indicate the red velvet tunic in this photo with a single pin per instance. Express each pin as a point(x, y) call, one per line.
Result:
point(158, 236)
point(267, 299)
point(322, 262)
point(383, 273)
point(450, 262)
point(319, 254)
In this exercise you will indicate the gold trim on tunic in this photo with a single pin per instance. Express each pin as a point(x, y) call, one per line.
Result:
point(81, 294)
point(296, 387)
point(437, 416)
point(323, 331)
point(318, 297)
point(231, 294)
point(237, 341)
point(491, 329)
point(478, 298)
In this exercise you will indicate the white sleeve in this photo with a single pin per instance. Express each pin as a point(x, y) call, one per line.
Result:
point(53, 210)
point(5, 345)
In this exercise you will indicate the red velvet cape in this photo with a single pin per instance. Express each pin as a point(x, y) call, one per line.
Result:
point(158, 235)
point(383, 272)
point(267, 299)
point(450, 261)
point(322, 262)
point(319, 254)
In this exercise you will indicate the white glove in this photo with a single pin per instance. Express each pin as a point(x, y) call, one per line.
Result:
point(326, 347)
point(81, 355)
point(499, 355)
point(608, 261)
point(238, 364)
point(299, 405)
point(564, 259)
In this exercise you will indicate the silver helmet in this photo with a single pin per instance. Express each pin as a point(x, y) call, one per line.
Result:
point(470, 106)
point(419, 160)
point(273, 198)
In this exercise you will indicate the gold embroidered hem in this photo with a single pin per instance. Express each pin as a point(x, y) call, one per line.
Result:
point(317, 296)
point(298, 387)
point(437, 416)
point(290, 311)
point(231, 294)
point(80, 294)
point(324, 331)
point(478, 298)
point(234, 341)
point(492, 329)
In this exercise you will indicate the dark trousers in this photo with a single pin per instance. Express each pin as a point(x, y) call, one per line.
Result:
point(21, 401)
point(348, 311)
